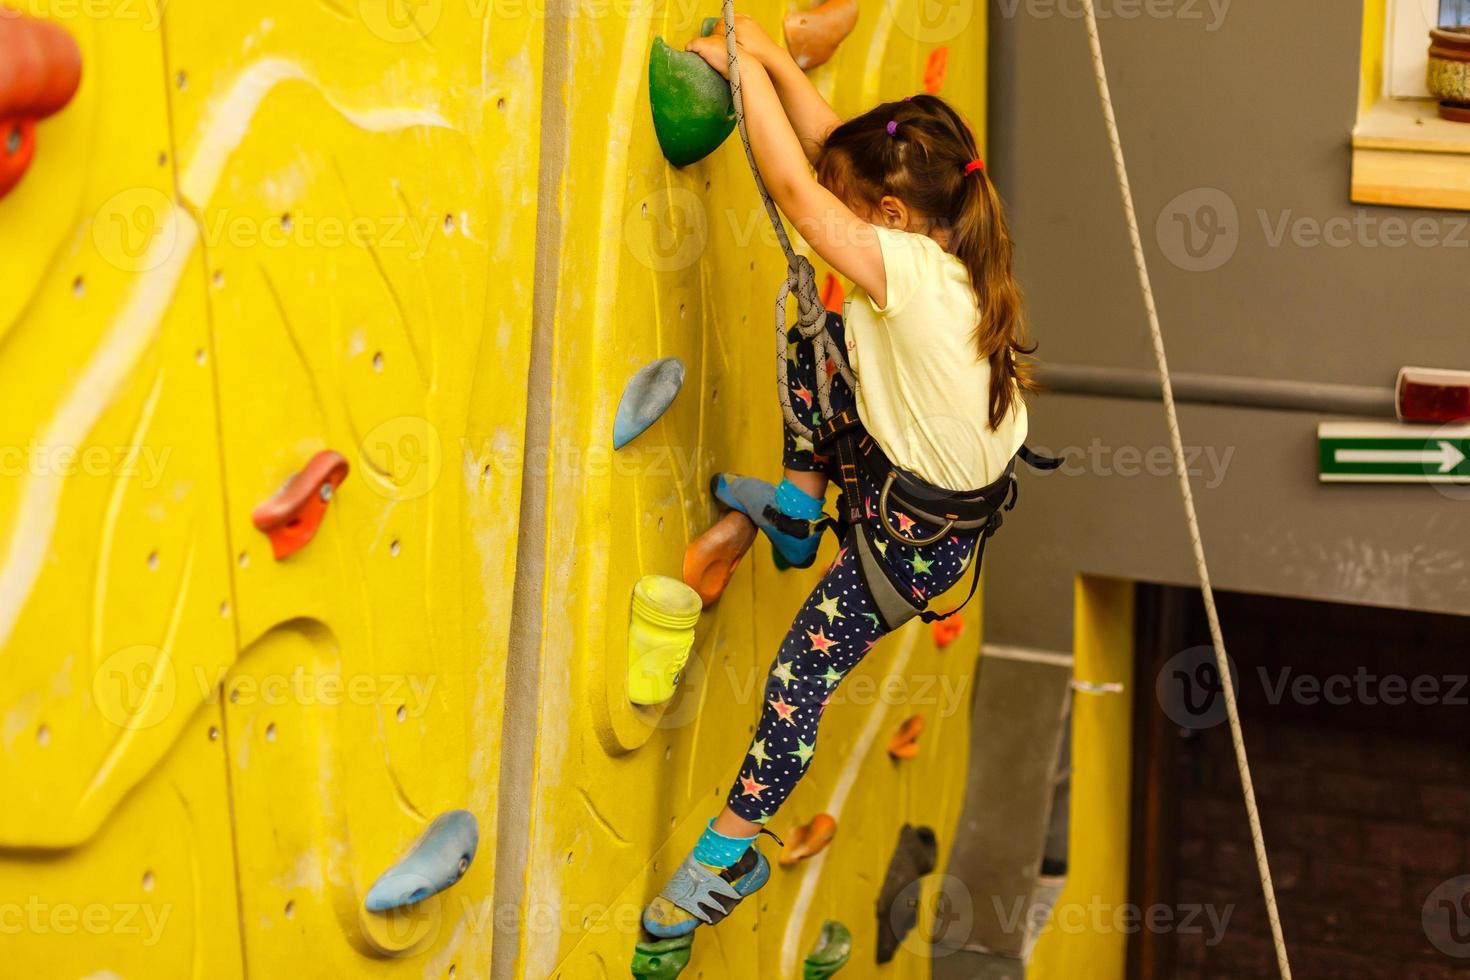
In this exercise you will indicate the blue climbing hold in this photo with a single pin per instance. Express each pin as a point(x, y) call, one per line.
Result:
point(647, 396)
point(439, 858)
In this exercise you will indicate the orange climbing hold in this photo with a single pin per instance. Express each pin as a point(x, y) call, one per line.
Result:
point(291, 518)
point(812, 35)
point(905, 742)
point(808, 840)
point(711, 559)
point(832, 294)
point(935, 69)
point(946, 631)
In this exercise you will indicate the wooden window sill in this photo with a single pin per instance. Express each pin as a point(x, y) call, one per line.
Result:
point(1404, 154)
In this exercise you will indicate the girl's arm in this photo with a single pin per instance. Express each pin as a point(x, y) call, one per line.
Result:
point(847, 242)
point(811, 117)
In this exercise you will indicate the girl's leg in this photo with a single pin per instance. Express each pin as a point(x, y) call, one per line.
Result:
point(831, 634)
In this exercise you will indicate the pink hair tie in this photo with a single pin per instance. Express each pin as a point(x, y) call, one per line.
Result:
point(973, 166)
point(892, 127)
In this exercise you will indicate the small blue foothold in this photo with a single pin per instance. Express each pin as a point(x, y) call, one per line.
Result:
point(439, 858)
point(646, 397)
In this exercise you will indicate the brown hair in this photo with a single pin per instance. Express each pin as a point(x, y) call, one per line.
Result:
point(917, 150)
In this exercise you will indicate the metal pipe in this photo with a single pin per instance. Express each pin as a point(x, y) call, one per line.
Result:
point(1217, 389)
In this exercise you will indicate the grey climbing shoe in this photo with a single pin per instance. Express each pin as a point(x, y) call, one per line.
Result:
point(709, 896)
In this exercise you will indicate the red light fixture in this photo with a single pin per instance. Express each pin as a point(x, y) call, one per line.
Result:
point(1432, 395)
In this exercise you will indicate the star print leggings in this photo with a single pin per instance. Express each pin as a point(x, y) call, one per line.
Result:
point(840, 621)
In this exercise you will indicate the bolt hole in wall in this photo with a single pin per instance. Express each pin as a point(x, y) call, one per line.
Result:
point(1358, 728)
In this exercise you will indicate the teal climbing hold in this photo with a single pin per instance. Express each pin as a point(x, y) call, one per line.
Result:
point(646, 397)
point(662, 959)
point(693, 111)
point(439, 858)
point(834, 947)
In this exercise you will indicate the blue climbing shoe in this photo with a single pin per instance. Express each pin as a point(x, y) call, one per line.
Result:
point(780, 511)
point(705, 894)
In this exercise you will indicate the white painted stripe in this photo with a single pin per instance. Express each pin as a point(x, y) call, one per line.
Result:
point(128, 336)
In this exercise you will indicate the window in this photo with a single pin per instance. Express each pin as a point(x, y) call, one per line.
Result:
point(1404, 154)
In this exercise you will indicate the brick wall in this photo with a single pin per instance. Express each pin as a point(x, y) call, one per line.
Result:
point(1366, 806)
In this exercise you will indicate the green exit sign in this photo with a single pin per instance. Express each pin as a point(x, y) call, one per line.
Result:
point(1386, 452)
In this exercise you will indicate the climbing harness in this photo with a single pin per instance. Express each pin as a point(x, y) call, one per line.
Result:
point(1217, 637)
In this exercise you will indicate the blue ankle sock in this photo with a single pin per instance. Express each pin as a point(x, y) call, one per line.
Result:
point(793, 501)
point(719, 851)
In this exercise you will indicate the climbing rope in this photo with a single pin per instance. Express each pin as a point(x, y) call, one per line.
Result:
point(801, 278)
point(1222, 662)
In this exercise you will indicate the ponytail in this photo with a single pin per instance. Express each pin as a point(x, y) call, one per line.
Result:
point(980, 239)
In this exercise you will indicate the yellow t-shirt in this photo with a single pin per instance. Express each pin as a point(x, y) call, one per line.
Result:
point(922, 391)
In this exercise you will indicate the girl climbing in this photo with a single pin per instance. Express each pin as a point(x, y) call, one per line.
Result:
point(923, 443)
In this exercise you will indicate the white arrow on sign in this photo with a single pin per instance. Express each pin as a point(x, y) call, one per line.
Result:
point(1448, 456)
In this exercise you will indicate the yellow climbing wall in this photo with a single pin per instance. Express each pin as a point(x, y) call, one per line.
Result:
point(260, 231)
point(115, 850)
point(658, 262)
point(264, 230)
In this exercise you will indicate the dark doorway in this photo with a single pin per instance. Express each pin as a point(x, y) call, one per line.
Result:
point(1357, 722)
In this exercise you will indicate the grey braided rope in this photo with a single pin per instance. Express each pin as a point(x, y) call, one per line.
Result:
point(801, 278)
point(1217, 636)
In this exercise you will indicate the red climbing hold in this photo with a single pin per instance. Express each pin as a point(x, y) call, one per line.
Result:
point(935, 69)
point(946, 631)
point(40, 69)
point(832, 294)
point(291, 518)
point(17, 146)
point(40, 66)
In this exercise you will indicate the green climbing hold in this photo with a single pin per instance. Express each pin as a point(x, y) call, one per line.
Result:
point(662, 959)
point(834, 946)
point(693, 111)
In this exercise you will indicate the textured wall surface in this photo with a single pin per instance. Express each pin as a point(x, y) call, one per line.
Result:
point(266, 230)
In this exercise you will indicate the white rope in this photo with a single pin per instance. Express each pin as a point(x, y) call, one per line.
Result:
point(801, 278)
point(1227, 683)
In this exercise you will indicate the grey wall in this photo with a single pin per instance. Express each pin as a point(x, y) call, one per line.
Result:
point(1259, 109)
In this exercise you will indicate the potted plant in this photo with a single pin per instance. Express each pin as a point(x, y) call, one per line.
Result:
point(1449, 71)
